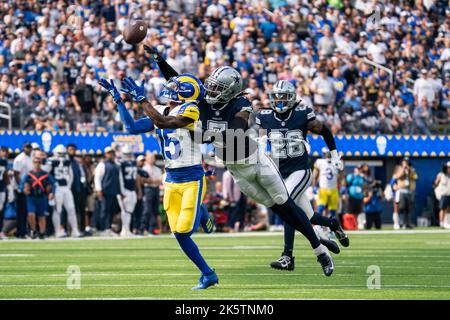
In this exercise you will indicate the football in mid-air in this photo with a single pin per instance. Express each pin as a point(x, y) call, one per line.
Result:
point(135, 31)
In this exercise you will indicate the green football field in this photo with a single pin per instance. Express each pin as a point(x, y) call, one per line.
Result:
point(413, 266)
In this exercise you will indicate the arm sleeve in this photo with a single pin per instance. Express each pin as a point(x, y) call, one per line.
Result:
point(134, 127)
point(166, 69)
point(328, 137)
point(98, 176)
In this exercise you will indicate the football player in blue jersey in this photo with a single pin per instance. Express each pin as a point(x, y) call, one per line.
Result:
point(224, 114)
point(60, 168)
point(286, 125)
point(128, 202)
point(185, 182)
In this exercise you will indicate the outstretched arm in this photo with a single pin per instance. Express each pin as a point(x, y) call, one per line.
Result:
point(159, 120)
point(166, 69)
point(134, 127)
point(318, 127)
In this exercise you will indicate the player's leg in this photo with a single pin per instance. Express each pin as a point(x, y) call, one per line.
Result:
point(284, 206)
point(69, 205)
point(322, 201)
point(188, 222)
point(296, 181)
point(31, 216)
point(56, 215)
point(41, 208)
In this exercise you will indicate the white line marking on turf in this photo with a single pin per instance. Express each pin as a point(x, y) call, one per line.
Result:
point(16, 255)
point(239, 235)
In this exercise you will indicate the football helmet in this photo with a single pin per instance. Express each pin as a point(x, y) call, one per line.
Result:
point(282, 96)
point(183, 88)
point(127, 152)
point(222, 85)
point(60, 151)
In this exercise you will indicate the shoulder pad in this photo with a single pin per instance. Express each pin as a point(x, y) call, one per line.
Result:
point(242, 104)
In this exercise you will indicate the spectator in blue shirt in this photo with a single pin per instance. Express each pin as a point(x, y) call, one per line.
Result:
point(355, 187)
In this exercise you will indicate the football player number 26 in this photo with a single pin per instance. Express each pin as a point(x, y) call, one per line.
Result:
point(171, 148)
point(288, 144)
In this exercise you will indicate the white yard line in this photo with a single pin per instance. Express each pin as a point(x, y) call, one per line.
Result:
point(237, 235)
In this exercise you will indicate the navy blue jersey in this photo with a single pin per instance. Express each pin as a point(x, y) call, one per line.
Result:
point(286, 136)
point(129, 173)
point(217, 119)
point(142, 173)
point(59, 169)
point(3, 169)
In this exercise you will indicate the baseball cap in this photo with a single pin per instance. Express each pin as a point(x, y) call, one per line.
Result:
point(140, 158)
point(108, 150)
point(35, 146)
point(423, 71)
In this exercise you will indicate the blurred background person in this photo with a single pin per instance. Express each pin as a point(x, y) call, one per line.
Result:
point(442, 192)
point(405, 184)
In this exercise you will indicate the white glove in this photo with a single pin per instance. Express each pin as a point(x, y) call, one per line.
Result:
point(336, 160)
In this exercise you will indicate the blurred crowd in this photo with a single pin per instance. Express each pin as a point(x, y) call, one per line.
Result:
point(67, 193)
point(366, 66)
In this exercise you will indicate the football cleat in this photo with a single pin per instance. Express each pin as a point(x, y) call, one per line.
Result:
point(206, 281)
point(327, 263)
point(207, 220)
point(284, 263)
point(331, 245)
point(340, 233)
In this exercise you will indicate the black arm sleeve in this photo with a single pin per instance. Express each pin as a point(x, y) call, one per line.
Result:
point(328, 137)
point(166, 69)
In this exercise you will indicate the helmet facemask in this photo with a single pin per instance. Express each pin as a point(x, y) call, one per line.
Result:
point(282, 101)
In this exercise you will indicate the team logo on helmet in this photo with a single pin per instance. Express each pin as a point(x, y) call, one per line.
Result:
point(182, 88)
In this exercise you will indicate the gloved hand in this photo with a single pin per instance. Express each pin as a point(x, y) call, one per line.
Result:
point(111, 88)
point(336, 160)
point(132, 88)
point(153, 53)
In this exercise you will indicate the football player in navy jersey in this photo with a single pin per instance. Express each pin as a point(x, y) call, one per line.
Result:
point(127, 204)
point(60, 168)
point(4, 178)
point(286, 125)
point(224, 114)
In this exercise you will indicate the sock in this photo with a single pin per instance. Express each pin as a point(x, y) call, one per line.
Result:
point(396, 219)
point(290, 213)
point(319, 232)
point(72, 217)
point(191, 250)
point(289, 235)
point(322, 221)
point(320, 249)
point(56, 220)
point(126, 219)
point(361, 220)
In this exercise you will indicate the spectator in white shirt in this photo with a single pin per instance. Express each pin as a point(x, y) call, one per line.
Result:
point(424, 88)
point(323, 89)
point(376, 50)
point(22, 164)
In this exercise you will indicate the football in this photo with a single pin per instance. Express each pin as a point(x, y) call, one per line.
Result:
point(135, 31)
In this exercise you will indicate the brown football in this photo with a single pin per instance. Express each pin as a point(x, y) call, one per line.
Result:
point(135, 31)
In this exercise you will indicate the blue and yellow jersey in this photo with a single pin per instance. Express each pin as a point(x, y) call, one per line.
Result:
point(182, 157)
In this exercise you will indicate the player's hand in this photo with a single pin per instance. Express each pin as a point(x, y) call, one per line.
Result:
point(111, 88)
point(153, 53)
point(99, 195)
point(336, 160)
point(51, 196)
point(133, 89)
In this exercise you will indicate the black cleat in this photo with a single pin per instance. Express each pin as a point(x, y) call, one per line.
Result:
point(41, 236)
point(33, 234)
point(327, 263)
point(331, 245)
point(340, 233)
point(284, 263)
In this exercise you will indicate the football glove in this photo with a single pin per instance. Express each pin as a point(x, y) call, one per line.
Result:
point(336, 160)
point(111, 88)
point(133, 89)
point(153, 53)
